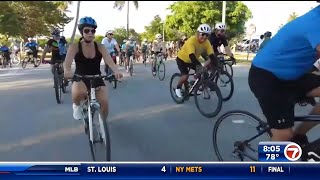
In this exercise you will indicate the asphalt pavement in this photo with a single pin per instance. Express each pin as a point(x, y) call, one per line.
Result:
point(145, 123)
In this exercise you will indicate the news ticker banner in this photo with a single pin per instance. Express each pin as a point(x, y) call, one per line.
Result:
point(279, 152)
point(161, 170)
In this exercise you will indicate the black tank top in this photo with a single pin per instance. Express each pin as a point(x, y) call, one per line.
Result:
point(87, 66)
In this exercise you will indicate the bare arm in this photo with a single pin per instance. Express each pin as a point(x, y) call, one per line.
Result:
point(44, 52)
point(72, 51)
point(228, 51)
point(107, 58)
point(117, 47)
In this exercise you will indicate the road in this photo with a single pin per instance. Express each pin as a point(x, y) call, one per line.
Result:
point(145, 123)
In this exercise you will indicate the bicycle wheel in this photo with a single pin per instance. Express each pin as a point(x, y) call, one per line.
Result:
point(222, 80)
point(36, 61)
point(15, 60)
point(161, 70)
point(173, 84)
point(228, 68)
point(63, 85)
point(100, 137)
point(130, 67)
point(207, 87)
point(24, 62)
point(57, 86)
point(238, 146)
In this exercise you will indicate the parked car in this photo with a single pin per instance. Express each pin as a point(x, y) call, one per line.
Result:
point(247, 44)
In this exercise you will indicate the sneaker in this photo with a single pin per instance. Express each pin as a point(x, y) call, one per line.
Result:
point(77, 112)
point(178, 93)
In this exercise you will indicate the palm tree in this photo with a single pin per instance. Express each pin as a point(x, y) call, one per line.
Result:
point(120, 4)
point(75, 23)
point(292, 16)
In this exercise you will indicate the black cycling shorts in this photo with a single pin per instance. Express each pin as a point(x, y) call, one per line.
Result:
point(97, 83)
point(277, 98)
point(183, 66)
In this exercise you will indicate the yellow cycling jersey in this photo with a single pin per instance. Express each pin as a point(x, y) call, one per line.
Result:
point(192, 45)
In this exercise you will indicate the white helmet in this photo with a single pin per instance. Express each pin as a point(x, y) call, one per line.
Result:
point(110, 32)
point(29, 39)
point(204, 28)
point(145, 40)
point(220, 26)
point(158, 36)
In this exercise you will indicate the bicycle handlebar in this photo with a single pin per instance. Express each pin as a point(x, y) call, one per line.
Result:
point(98, 76)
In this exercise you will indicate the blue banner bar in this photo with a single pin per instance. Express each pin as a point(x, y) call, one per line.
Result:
point(164, 170)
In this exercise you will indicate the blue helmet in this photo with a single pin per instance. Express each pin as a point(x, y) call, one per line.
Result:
point(86, 22)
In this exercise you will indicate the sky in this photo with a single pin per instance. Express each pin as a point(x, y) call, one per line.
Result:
point(267, 15)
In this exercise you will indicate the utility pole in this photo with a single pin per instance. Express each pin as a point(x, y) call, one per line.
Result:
point(224, 6)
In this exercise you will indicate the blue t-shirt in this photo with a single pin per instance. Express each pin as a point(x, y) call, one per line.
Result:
point(62, 48)
point(31, 44)
point(123, 47)
point(292, 51)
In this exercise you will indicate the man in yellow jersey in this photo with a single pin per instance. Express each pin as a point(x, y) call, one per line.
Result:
point(188, 56)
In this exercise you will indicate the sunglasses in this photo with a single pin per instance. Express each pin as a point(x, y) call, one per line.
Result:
point(86, 31)
point(110, 34)
point(204, 35)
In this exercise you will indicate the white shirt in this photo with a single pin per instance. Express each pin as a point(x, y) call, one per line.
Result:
point(109, 45)
point(156, 46)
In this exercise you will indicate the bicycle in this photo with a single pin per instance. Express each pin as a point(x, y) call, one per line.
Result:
point(202, 83)
point(15, 58)
point(131, 65)
point(4, 60)
point(216, 76)
point(58, 80)
point(241, 146)
point(160, 67)
point(30, 58)
point(96, 129)
point(111, 81)
point(227, 63)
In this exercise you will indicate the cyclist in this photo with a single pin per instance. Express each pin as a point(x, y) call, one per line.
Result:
point(33, 46)
point(181, 42)
point(123, 47)
point(6, 52)
point(267, 38)
point(87, 55)
point(110, 44)
point(130, 50)
point(158, 46)
point(217, 38)
point(144, 49)
point(280, 76)
point(189, 54)
point(57, 49)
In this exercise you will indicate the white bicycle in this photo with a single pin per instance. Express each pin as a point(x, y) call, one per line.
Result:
point(95, 126)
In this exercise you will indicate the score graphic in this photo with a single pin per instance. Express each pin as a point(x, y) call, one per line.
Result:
point(279, 151)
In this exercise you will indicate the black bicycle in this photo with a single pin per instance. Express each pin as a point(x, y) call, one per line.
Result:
point(112, 81)
point(223, 80)
point(246, 147)
point(201, 87)
point(58, 80)
point(96, 127)
point(29, 58)
point(227, 63)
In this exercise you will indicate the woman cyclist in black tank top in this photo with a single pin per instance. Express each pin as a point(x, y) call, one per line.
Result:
point(87, 55)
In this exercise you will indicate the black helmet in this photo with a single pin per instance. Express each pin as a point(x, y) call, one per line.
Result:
point(267, 34)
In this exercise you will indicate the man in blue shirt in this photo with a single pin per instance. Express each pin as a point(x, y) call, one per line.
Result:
point(280, 76)
point(33, 46)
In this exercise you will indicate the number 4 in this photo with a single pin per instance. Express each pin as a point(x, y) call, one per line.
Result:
point(163, 169)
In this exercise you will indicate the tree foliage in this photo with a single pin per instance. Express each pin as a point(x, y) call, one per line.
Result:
point(188, 15)
point(292, 17)
point(30, 18)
